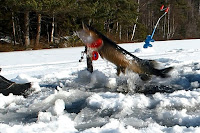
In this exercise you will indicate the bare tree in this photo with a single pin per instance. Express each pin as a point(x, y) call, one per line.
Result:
point(52, 29)
point(13, 25)
point(26, 29)
point(37, 41)
point(135, 25)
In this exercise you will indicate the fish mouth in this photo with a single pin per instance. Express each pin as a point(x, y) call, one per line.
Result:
point(85, 37)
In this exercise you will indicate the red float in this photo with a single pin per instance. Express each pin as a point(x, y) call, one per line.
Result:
point(95, 55)
point(167, 9)
point(161, 8)
point(96, 44)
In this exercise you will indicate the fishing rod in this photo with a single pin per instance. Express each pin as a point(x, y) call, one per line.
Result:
point(149, 38)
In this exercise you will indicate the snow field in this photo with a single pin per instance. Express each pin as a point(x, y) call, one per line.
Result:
point(69, 99)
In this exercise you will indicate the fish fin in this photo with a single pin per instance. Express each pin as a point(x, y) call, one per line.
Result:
point(153, 63)
point(120, 69)
point(145, 77)
point(163, 73)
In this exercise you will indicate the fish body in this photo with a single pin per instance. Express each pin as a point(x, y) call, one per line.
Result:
point(112, 52)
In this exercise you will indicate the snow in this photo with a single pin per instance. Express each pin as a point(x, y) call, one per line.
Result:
point(69, 99)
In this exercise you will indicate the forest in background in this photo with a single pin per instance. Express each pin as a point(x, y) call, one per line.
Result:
point(36, 24)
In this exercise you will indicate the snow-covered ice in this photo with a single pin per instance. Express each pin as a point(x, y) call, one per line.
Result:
point(69, 99)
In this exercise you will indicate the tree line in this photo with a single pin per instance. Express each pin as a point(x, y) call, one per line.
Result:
point(52, 23)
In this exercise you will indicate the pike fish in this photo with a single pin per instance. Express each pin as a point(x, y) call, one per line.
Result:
point(112, 52)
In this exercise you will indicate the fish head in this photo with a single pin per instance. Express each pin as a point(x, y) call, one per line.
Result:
point(89, 37)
